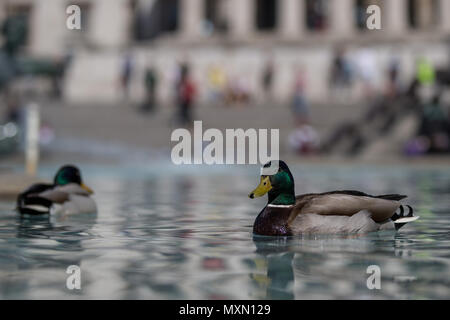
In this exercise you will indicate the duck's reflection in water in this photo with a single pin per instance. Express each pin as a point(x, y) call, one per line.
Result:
point(285, 265)
point(274, 276)
point(49, 243)
point(62, 228)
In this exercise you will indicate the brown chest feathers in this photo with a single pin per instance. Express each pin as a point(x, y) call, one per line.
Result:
point(273, 221)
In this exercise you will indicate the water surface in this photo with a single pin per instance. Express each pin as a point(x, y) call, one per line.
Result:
point(166, 233)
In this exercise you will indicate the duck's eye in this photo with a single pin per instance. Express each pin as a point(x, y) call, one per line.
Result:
point(265, 183)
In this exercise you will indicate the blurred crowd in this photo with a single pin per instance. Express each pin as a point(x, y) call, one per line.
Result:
point(422, 95)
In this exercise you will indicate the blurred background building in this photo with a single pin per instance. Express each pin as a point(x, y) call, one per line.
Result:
point(343, 83)
point(233, 37)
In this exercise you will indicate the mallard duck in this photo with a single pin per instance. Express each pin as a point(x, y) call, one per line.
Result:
point(334, 212)
point(68, 195)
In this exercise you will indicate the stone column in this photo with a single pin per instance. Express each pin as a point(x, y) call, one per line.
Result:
point(292, 18)
point(48, 28)
point(109, 23)
point(394, 16)
point(241, 15)
point(2, 17)
point(191, 17)
point(342, 17)
point(425, 13)
point(3, 6)
point(444, 15)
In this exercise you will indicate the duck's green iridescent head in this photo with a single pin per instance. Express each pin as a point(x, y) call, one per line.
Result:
point(279, 186)
point(70, 174)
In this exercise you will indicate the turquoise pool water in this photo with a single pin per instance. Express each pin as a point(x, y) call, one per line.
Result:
point(170, 233)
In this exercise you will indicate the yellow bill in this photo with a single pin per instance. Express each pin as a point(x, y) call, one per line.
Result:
point(263, 187)
point(85, 187)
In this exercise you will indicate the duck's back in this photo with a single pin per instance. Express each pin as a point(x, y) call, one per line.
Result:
point(347, 203)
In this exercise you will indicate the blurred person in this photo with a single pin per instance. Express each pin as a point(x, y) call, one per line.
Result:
point(58, 77)
point(300, 105)
point(14, 108)
point(303, 139)
point(217, 82)
point(14, 31)
point(126, 74)
point(267, 80)
point(425, 75)
point(393, 87)
point(382, 112)
point(367, 70)
point(7, 71)
point(238, 92)
point(46, 134)
point(425, 72)
point(186, 93)
point(412, 96)
point(242, 91)
point(316, 14)
point(340, 75)
point(433, 133)
point(434, 125)
point(419, 145)
point(433, 116)
point(150, 84)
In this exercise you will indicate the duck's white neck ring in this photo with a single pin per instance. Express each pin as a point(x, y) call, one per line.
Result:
point(279, 205)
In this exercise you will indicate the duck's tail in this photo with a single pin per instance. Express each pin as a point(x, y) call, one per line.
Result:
point(403, 216)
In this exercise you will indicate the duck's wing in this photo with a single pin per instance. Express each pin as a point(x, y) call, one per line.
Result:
point(61, 194)
point(347, 203)
point(30, 202)
point(55, 196)
point(33, 190)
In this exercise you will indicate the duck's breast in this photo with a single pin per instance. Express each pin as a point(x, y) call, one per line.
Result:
point(272, 221)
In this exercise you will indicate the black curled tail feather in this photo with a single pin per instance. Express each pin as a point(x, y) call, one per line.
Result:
point(402, 213)
point(396, 197)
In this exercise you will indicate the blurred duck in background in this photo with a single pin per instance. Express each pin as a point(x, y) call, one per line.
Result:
point(67, 195)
